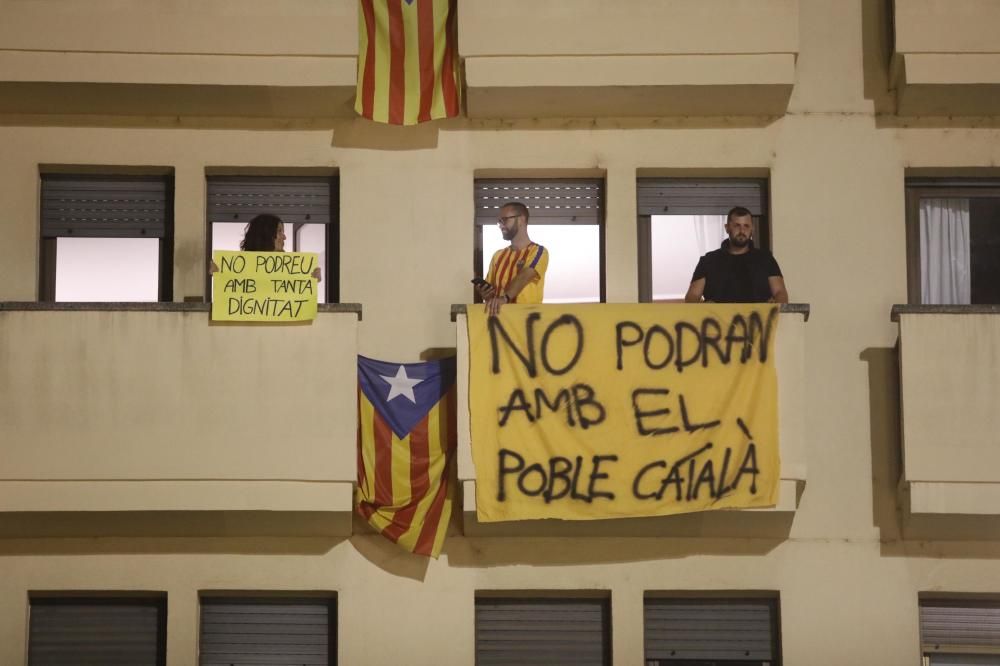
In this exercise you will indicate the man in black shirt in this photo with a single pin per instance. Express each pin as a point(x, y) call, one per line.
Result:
point(737, 272)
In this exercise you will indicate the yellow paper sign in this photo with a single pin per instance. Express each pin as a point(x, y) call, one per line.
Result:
point(264, 286)
point(610, 411)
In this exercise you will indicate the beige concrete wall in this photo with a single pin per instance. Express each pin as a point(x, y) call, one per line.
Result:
point(947, 26)
point(848, 582)
point(166, 395)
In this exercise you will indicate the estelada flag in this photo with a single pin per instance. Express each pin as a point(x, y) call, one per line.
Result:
point(406, 442)
point(407, 61)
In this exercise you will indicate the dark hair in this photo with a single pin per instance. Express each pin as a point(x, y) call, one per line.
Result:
point(260, 234)
point(738, 211)
point(521, 209)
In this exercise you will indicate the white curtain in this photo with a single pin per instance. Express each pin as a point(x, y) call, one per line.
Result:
point(709, 232)
point(944, 252)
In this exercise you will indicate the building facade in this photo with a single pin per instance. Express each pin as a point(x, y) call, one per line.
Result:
point(186, 471)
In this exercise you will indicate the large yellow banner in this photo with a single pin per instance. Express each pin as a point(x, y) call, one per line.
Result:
point(608, 411)
point(264, 286)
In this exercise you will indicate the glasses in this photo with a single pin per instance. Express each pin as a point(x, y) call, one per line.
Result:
point(503, 219)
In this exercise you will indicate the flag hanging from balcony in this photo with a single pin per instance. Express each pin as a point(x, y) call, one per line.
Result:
point(406, 442)
point(407, 61)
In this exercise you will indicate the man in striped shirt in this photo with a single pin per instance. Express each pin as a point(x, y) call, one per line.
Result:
point(517, 272)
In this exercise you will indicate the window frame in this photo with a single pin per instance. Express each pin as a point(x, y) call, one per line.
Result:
point(223, 598)
point(47, 245)
point(644, 223)
point(157, 600)
point(480, 264)
point(547, 597)
point(963, 601)
point(935, 188)
point(771, 599)
point(331, 277)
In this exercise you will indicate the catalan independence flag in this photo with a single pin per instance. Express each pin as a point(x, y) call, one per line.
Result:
point(406, 442)
point(407, 61)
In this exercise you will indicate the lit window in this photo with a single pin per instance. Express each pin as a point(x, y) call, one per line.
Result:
point(566, 218)
point(106, 238)
point(953, 238)
point(681, 219)
point(306, 205)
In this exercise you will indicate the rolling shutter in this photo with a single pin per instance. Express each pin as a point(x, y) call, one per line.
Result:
point(549, 632)
point(275, 632)
point(738, 630)
point(97, 632)
point(106, 206)
point(689, 196)
point(559, 201)
point(296, 200)
point(960, 626)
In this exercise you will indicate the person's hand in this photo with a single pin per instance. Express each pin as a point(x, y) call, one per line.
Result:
point(494, 302)
point(318, 274)
point(486, 290)
point(212, 267)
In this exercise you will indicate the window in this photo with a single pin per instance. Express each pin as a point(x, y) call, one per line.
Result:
point(953, 241)
point(960, 632)
point(70, 631)
point(106, 238)
point(268, 630)
point(307, 205)
point(567, 218)
point(555, 632)
point(707, 631)
point(680, 219)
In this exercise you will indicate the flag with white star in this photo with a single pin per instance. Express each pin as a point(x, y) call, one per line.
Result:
point(406, 442)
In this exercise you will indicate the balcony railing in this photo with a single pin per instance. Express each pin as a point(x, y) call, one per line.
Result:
point(949, 359)
point(127, 418)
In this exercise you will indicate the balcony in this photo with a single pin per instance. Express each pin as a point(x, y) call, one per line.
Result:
point(946, 59)
point(128, 419)
point(764, 523)
point(949, 390)
point(546, 58)
point(213, 58)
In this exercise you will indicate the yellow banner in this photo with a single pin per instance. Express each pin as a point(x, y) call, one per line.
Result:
point(610, 411)
point(264, 286)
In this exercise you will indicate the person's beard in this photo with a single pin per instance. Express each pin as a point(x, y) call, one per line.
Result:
point(740, 242)
point(508, 233)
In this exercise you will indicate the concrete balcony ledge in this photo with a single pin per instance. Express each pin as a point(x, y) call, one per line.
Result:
point(946, 59)
point(771, 523)
point(949, 389)
point(629, 85)
point(124, 419)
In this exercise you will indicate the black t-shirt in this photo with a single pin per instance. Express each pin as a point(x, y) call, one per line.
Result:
point(737, 278)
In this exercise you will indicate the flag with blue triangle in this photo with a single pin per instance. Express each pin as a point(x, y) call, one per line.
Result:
point(406, 444)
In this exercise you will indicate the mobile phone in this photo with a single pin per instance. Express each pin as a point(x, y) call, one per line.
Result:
point(480, 283)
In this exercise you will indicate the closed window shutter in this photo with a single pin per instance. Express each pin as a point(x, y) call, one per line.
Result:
point(960, 627)
point(97, 632)
point(296, 200)
point(738, 631)
point(550, 632)
point(276, 632)
point(106, 206)
point(690, 196)
point(552, 201)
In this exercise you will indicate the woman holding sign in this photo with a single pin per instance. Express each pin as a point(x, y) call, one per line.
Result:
point(264, 233)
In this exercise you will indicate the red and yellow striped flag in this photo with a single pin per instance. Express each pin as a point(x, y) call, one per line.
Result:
point(406, 442)
point(407, 61)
